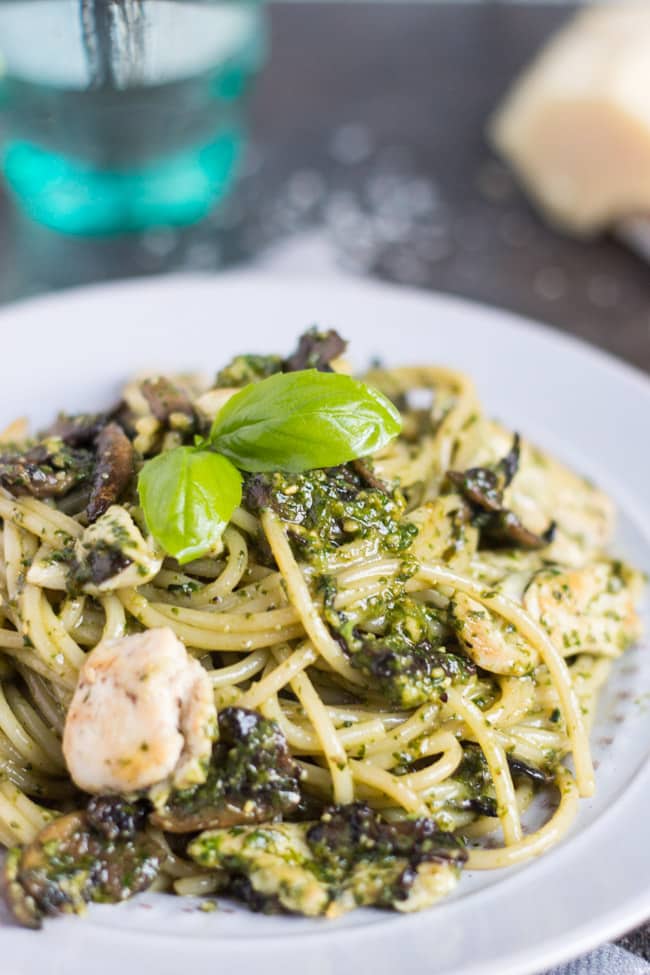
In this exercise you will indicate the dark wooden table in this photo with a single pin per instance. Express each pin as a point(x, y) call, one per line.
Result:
point(354, 91)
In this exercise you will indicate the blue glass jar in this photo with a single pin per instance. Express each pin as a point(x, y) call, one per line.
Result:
point(120, 115)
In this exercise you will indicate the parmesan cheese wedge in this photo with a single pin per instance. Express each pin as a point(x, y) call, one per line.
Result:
point(576, 125)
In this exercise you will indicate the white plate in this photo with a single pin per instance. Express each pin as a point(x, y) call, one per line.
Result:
point(72, 351)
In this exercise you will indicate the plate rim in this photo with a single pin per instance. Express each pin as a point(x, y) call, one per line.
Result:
point(284, 279)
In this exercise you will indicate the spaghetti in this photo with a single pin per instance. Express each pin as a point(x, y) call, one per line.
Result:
point(425, 632)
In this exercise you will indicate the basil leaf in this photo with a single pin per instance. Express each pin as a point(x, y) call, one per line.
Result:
point(302, 420)
point(188, 496)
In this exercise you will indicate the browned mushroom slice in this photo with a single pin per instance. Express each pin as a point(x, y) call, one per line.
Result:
point(509, 465)
point(482, 489)
point(506, 529)
point(355, 834)
point(165, 399)
point(46, 470)
point(115, 817)
point(71, 863)
point(484, 486)
point(366, 471)
point(113, 470)
point(252, 778)
point(21, 904)
point(316, 350)
point(521, 768)
point(79, 430)
point(479, 486)
point(102, 562)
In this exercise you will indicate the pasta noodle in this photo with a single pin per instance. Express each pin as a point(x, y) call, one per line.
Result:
point(441, 663)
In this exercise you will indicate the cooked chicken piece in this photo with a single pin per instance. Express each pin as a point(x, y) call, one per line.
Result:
point(111, 554)
point(136, 400)
point(142, 714)
point(148, 410)
point(275, 864)
point(210, 403)
point(590, 609)
point(349, 858)
point(116, 534)
point(491, 642)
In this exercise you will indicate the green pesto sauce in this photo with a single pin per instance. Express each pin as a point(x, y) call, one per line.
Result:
point(245, 369)
point(405, 647)
point(328, 508)
point(250, 775)
point(351, 856)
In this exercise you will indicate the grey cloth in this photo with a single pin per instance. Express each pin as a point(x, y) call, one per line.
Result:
point(608, 960)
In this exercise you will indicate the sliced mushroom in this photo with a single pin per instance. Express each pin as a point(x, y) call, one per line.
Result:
point(79, 430)
point(508, 466)
point(113, 470)
point(102, 564)
point(544, 490)
point(410, 674)
point(167, 401)
point(115, 816)
point(505, 528)
point(483, 491)
point(480, 486)
point(483, 487)
point(258, 492)
point(365, 469)
point(252, 778)
point(70, 864)
point(519, 767)
point(46, 470)
point(316, 350)
point(22, 905)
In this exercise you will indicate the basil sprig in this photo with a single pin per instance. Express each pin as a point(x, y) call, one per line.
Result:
point(188, 496)
point(298, 421)
point(290, 422)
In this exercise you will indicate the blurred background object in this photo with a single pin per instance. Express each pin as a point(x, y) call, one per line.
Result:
point(368, 145)
point(124, 114)
point(576, 125)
